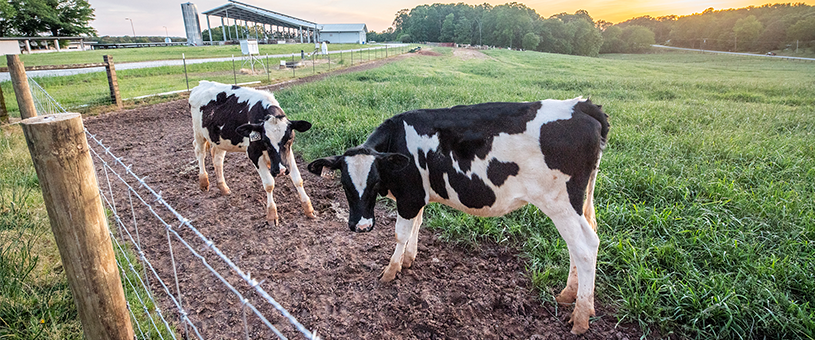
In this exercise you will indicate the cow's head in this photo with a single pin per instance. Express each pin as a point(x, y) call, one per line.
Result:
point(274, 135)
point(364, 174)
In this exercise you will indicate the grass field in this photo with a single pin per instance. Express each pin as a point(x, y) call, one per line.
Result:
point(125, 55)
point(81, 92)
point(705, 194)
point(704, 198)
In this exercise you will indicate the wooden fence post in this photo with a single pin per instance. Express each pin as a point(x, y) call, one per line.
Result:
point(3, 110)
point(59, 150)
point(25, 101)
point(115, 97)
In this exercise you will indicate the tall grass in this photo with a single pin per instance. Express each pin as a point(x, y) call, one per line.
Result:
point(35, 300)
point(706, 189)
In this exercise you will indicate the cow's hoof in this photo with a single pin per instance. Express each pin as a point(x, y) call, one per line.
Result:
point(224, 189)
point(388, 275)
point(565, 299)
point(308, 209)
point(203, 182)
point(580, 317)
point(407, 261)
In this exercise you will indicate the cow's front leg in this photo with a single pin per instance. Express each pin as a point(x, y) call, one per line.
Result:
point(404, 227)
point(218, 161)
point(413, 242)
point(268, 186)
point(297, 180)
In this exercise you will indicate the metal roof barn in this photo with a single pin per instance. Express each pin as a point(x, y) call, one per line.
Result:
point(344, 33)
point(280, 25)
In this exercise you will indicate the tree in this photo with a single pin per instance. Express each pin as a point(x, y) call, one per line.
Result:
point(587, 39)
point(612, 40)
point(405, 38)
point(803, 30)
point(637, 39)
point(531, 41)
point(747, 31)
point(464, 31)
point(448, 28)
point(55, 17)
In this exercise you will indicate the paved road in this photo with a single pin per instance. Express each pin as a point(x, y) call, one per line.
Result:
point(736, 53)
point(4, 76)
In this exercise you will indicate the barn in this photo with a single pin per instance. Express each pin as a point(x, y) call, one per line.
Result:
point(344, 33)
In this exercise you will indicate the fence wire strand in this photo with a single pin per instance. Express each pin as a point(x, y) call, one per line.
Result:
point(46, 104)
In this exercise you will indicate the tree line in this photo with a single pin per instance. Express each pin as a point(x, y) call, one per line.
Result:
point(59, 18)
point(762, 28)
point(514, 25)
point(511, 25)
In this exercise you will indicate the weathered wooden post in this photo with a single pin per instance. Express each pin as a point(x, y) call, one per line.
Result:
point(113, 82)
point(19, 81)
point(3, 110)
point(60, 153)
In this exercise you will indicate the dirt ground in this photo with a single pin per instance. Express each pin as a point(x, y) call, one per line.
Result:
point(322, 273)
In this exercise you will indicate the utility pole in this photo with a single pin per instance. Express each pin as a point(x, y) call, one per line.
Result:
point(131, 27)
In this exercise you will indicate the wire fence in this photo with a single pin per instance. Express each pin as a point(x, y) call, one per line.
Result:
point(83, 89)
point(153, 272)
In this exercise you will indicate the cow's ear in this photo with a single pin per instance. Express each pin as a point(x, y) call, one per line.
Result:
point(331, 163)
point(300, 125)
point(246, 129)
point(393, 162)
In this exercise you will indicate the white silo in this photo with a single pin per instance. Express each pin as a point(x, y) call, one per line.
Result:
point(191, 24)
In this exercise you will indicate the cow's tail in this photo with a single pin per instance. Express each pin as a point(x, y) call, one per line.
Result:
point(588, 205)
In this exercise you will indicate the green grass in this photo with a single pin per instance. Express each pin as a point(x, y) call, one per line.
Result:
point(35, 300)
point(706, 190)
point(125, 55)
point(81, 92)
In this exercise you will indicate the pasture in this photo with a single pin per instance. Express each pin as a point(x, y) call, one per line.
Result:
point(704, 197)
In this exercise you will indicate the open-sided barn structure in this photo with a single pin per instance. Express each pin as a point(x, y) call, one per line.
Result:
point(267, 25)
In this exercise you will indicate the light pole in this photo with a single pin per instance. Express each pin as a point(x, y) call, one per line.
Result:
point(167, 37)
point(131, 27)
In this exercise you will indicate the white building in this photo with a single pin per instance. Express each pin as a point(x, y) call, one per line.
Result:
point(344, 33)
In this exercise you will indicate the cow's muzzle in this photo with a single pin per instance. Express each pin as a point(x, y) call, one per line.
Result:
point(363, 226)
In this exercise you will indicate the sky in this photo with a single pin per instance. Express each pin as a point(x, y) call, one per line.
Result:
point(163, 17)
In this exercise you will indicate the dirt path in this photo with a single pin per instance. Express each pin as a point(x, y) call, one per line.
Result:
point(325, 275)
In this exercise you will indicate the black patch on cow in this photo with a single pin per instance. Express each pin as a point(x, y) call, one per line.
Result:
point(573, 146)
point(465, 132)
point(498, 171)
point(222, 116)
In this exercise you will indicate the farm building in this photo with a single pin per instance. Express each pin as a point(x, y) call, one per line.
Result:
point(240, 21)
point(344, 33)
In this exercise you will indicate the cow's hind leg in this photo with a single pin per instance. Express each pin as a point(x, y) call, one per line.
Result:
point(201, 145)
point(413, 242)
point(297, 180)
point(218, 162)
point(404, 227)
point(583, 243)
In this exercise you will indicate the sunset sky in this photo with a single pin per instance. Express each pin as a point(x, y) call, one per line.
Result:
point(150, 17)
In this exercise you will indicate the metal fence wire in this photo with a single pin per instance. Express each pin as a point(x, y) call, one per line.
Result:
point(133, 206)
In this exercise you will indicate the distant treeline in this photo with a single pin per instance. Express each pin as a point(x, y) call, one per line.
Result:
point(128, 39)
point(762, 28)
point(514, 25)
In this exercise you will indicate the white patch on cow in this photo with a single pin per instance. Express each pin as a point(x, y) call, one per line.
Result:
point(359, 166)
point(276, 129)
point(414, 143)
point(550, 111)
point(364, 221)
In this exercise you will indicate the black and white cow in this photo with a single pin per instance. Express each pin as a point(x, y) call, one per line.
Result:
point(227, 118)
point(486, 160)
